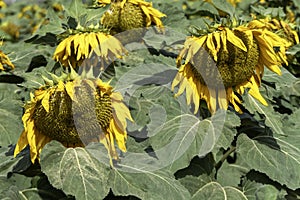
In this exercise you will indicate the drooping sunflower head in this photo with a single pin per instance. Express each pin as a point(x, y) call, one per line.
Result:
point(75, 112)
point(281, 27)
point(2, 4)
point(129, 14)
point(224, 62)
point(5, 63)
point(81, 44)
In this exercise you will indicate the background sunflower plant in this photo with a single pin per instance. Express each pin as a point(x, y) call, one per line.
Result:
point(94, 106)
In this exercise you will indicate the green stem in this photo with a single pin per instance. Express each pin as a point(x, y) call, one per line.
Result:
point(227, 153)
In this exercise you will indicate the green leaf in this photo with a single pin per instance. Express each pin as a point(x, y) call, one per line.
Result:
point(146, 184)
point(55, 25)
point(152, 106)
point(143, 75)
point(7, 162)
point(198, 173)
point(273, 12)
point(17, 187)
point(175, 19)
point(75, 171)
point(231, 122)
point(231, 174)
point(193, 183)
point(224, 6)
point(75, 9)
point(272, 119)
point(258, 191)
point(186, 136)
point(195, 7)
point(215, 191)
point(10, 114)
point(126, 178)
point(271, 160)
point(22, 58)
point(94, 15)
point(171, 40)
point(285, 85)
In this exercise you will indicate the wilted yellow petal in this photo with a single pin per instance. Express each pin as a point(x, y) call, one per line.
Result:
point(69, 86)
point(119, 135)
point(254, 91)
point(211, 46)
point(212, 100)
point(222, 99)
point(195, 47)
point(45, 101)
point(235, 40)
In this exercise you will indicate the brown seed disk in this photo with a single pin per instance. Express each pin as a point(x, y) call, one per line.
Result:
point(132, 16)
point(74, 123)
point(233, 66)
point(120, 19)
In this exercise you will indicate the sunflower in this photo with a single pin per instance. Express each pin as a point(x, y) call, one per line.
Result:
point(224, 63)
point(11, 29)
point(75, 112)
point(2, 4)
point(280, 27)
point(5, 62)
point(80, 45)
point(129, 14)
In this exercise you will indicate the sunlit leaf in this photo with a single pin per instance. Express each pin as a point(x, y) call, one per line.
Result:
point(10, 116)
point(135, 181)
point(75, 8)
point(215, 191)
point(75, 171)
point(272, 160)
point(7, 161)
point(258, 191)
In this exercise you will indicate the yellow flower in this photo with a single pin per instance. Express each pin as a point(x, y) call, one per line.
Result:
point(5, 62)
point(129, 14)
point(75, 112)
point(280, 27)
point(75, 48)
point(2, 4)
point(225, 62)
point(11, 29)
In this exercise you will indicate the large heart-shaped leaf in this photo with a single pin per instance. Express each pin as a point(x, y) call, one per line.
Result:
point(75, 171)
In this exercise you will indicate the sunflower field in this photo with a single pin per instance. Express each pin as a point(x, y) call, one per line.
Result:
point(140, 99)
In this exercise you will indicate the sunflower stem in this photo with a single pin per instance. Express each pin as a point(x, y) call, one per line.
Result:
point(221, 161)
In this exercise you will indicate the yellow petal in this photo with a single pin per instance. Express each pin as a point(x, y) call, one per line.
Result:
point(120, 135)
point(211, 46)
point(212, 100)
point(254, 91)
point(21, 144)
point(222, 99)
point(235, 40)
point(69, 86)
point(45, 100)
point(195, 47)
point(217, 37)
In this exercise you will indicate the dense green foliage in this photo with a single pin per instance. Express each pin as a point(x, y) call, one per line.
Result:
point(171, 153)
